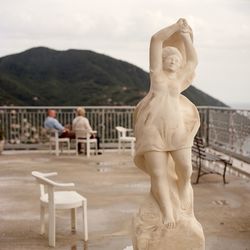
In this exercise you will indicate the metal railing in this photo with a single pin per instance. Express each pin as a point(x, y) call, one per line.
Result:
point(25, 125)
point(224, 129)
point(227, 130)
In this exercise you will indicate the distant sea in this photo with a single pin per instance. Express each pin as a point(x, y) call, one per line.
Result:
point(239, 105)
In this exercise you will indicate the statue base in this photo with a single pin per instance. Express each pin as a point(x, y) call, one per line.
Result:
point(149, 232)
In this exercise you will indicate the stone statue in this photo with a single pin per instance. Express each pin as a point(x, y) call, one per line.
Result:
point(165, 125)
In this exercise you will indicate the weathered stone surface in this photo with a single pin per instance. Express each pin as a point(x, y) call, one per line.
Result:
point(151, 234)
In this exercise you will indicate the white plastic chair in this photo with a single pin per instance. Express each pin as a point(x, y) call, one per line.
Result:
point(83, 136)
point(59, 200)
point(123, 138)
point(55, 140)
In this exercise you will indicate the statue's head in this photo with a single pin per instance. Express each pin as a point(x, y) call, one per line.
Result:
point(171, 59)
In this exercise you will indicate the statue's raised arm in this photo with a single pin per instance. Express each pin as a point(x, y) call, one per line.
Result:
point(189, 66)
point(156, 46)
point(175, 39)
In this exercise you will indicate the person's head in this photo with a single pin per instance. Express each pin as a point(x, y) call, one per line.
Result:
point(52, 113)
point(80, 111)
point(171, 59)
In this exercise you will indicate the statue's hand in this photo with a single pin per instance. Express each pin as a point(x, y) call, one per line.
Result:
point(184, 29)
point(187, 34)
point(182, 22)
point(183, 26)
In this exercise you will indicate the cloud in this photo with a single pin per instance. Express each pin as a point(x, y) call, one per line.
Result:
point(123, 29)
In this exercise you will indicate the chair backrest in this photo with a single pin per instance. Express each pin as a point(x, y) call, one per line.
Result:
point(121, 131)
point(42, 179)
point(82, 133)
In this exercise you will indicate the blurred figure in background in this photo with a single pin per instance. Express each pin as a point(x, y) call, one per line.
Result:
point(81, 122)
point(52, 123)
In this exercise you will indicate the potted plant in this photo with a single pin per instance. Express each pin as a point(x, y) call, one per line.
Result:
point(1, 140)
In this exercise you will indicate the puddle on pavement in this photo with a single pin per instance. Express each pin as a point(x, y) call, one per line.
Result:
point(41, 160)
point(220, 202)
point(106, 169)
point(103, 166)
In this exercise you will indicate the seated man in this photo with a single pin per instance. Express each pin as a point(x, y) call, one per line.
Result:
point(81, 122)
point(52, 123)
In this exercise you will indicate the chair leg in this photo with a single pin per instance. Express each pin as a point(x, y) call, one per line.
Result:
point(50, 147)
point(62, 145)
point(52, 231)
point(76, 147)
point(57, 148)
point(85, 220)
point(68, 146)
point(73, 219)
point(42, 219)
point(52, 219)
point(88, 149)
point(96, 149)
point(119, 146)
point(224, 173)
point(132, 148)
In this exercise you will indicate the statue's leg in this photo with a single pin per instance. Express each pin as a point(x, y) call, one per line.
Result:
point(183, 167)
point(156, 165)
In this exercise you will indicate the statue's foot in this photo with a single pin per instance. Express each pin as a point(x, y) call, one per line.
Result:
point(169, 225)
point(169, 222)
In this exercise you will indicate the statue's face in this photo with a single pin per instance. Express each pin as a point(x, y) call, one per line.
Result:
point(171, 62)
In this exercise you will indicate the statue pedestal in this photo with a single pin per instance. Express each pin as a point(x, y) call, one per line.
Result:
point(149, 233)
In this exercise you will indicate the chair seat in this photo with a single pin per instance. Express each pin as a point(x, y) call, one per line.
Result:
point(60, 139)
point(85, 140)
point(64, 199)
point(127, 138)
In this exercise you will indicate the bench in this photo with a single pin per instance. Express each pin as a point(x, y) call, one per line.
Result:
point(201, 154)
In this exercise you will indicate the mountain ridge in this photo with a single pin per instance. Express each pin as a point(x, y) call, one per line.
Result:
point(42, 76)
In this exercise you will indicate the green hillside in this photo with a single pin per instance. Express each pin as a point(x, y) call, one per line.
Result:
point(42, 76)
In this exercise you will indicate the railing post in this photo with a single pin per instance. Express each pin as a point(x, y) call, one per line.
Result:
point(207, 126)
point(231, 131)
point(103, 128)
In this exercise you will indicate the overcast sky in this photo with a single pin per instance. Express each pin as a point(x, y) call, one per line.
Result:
point(122, 29)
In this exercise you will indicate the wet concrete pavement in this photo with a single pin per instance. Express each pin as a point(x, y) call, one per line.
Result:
point(114, 188)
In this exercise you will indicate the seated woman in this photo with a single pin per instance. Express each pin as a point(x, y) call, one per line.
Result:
point(81, 122)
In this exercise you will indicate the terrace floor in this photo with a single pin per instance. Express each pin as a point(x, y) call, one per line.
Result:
point(114, 188)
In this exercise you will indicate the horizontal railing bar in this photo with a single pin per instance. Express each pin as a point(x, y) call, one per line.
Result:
point(222, 108)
